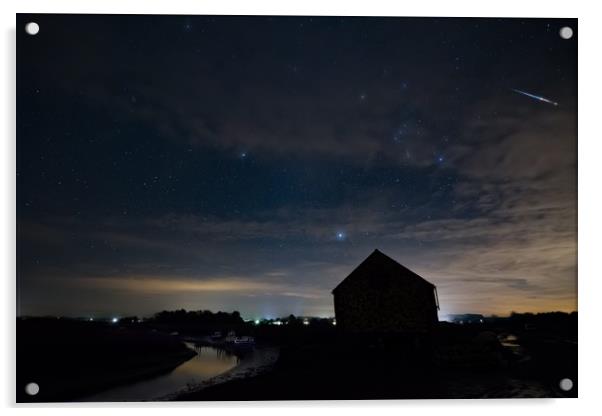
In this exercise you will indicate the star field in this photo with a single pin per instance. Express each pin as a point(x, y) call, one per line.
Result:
point(258, 160)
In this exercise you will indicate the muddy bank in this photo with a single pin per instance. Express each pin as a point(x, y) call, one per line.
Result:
point(463, 363)
point(253, 363)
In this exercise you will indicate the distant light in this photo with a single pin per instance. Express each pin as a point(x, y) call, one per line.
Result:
point(91, 319)
point(257, 321)
point(334, 322)
point(277, 322)
point(305, 322)
point(114, 320)
point(341, 236)
point(480, 320)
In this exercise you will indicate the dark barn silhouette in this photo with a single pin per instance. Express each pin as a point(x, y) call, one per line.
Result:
point(381, 295)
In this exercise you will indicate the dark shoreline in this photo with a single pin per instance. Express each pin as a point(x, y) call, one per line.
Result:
point(135, 376)
point(72, 360)
point(294, 379)
point(252, 363)
point(499, 359)
point(119, 379)
point(454, 362)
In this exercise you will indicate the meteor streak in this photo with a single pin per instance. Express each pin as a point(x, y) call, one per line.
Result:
point(537, 97)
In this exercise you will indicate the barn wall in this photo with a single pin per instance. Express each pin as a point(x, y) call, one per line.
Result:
point(385, 306)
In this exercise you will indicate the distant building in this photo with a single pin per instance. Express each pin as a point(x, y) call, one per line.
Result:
point(381, 295)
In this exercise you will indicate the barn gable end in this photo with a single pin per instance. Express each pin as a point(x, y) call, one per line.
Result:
point(381, 295)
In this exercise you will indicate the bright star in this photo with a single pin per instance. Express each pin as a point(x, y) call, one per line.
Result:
point(341, 236)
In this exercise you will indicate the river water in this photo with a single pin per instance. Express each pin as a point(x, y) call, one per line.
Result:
point(208, 362)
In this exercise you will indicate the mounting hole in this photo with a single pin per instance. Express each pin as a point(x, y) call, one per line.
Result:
point(566, 32)
point(32, 389)
point(32, 28)
point(566, 384)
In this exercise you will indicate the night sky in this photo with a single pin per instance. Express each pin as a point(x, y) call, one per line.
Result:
point(250, 163)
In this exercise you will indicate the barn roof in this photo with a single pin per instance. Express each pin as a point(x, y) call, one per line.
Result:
point(379, 263)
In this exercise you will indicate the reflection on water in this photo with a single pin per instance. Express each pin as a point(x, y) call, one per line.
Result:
point(208, 363)
point(511, 342)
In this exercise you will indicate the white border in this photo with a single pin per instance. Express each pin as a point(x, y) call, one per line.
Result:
point(590, 207)
point(462, 8)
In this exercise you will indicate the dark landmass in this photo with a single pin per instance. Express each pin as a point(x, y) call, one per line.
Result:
point(524, 355)
point(456, 361)
point(69, 359)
